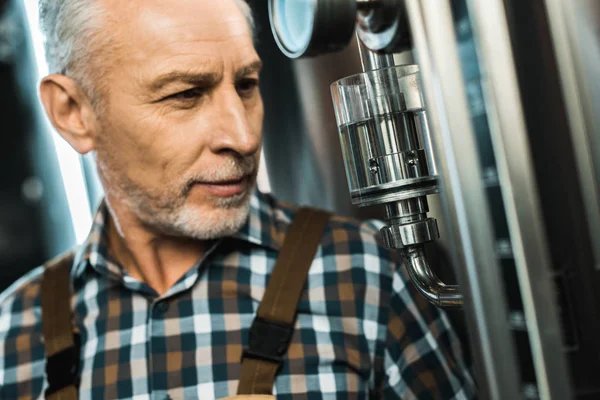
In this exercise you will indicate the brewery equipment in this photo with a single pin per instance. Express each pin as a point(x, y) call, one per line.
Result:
point(497, 116)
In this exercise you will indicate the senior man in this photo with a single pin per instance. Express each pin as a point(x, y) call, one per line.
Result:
point(165, 289)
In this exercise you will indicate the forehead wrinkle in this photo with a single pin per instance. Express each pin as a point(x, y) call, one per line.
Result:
point(167, 41)
point(160, 22)
point(157, 29)
point(190, 51)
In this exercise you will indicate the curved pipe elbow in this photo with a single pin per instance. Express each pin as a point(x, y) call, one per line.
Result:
point(427, 282)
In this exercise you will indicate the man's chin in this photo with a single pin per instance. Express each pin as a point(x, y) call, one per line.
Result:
point(229, 203)
point(213, 219)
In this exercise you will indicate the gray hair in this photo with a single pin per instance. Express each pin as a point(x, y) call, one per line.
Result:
point(71, 35)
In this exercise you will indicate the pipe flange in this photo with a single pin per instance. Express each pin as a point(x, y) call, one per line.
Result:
point(398, 236)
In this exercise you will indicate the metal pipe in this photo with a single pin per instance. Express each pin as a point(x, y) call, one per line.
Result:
point(427, 282)
point(409, 216)
point(372, 61)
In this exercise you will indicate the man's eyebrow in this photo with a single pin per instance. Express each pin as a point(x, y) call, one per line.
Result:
point(256, 66)
point(191, 78)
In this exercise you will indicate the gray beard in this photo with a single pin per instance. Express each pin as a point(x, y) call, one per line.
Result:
point(189, 223)
point(166, 213)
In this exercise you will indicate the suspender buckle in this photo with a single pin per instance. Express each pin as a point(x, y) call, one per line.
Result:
point(62, 368)
point(269, 341)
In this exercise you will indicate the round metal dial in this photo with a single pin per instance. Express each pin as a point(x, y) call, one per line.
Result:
point(304, 28)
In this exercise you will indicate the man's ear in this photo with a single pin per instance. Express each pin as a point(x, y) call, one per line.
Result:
point(70, 111)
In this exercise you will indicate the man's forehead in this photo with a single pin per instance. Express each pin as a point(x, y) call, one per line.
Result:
point(158, 36)
point(199, 10)
point(155, 25)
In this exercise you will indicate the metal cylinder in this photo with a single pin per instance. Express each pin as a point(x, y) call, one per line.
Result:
point(408, 210)
point(399, 236)
point(372, 61)
point(384, 135)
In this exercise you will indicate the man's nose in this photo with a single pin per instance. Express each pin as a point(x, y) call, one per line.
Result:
point(236, 132)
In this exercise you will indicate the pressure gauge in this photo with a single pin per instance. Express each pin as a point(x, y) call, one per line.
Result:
point(304, 28)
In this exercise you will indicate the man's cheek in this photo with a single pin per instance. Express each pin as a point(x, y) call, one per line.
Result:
point(258, 118)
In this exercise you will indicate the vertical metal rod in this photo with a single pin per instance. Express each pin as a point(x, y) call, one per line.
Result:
point(521, 196)
point(372, 61)
point(464, 199)
point(583, 120)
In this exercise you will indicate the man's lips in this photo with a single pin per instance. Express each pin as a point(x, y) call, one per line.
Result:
point(225, 188)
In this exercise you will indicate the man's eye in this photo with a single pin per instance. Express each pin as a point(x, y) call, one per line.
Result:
point(246, 87)
point(186, 95)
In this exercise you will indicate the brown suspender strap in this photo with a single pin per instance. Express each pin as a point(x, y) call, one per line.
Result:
point(272, 330)
point(62, 353)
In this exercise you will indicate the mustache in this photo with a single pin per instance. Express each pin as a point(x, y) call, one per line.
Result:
point(234, 168)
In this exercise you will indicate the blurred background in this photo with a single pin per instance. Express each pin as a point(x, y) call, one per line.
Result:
point(47, 192)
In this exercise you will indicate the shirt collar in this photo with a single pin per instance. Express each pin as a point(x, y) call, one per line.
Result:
point(266, 223)
point(265, 227)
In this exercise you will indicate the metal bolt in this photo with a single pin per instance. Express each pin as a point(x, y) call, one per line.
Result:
point(412, 158)
point(374, 167)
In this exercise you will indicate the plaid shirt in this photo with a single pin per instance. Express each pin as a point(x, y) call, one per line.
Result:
point(362, 331)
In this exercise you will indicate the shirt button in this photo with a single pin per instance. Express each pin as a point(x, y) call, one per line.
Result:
point(162, 307)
